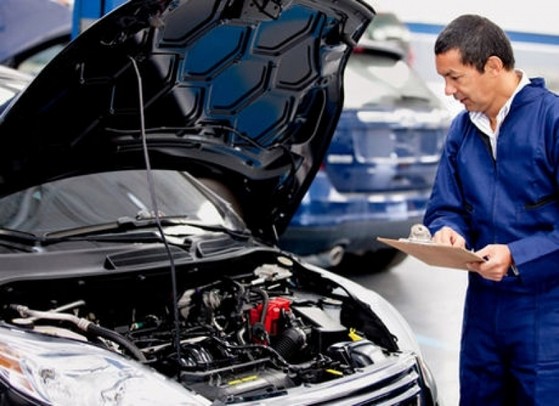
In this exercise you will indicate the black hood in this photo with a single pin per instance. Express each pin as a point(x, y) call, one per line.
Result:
point(247, 93)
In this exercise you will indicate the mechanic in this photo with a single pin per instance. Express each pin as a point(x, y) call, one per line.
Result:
point(497, 193)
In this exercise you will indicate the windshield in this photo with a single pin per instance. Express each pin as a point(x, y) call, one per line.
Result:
point(106, 197)
point(375, 79)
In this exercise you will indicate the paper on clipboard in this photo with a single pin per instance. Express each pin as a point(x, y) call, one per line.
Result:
point(434, 254)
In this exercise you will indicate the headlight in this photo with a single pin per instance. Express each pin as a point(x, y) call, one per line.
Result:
point(52, 370)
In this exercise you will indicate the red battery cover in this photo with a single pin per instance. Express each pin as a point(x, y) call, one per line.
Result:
point(275, 307)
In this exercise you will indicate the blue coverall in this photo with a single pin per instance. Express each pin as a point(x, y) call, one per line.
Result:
point(510, 334)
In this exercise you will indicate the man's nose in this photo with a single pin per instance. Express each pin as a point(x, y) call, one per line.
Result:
point(449, 88)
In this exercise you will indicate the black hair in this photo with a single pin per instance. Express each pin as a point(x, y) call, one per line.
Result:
point(477, 38)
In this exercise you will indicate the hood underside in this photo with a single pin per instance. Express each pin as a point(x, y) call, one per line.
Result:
point(247, 93)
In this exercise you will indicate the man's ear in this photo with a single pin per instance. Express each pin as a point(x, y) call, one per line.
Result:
point(493, 65)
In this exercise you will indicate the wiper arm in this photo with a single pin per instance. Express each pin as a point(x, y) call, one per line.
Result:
point(114, 231)
point(121, 225)
point(19, 240)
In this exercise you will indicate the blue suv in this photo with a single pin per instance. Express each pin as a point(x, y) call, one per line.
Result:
point(380, 166)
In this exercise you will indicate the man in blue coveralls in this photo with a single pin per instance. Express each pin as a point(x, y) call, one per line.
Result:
point(497, 192)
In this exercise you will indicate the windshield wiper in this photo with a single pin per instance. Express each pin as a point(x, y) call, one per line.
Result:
point(19, 240)
point(118, 230)
point(121, 225)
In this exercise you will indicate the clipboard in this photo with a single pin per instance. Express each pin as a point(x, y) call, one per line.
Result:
point(434, 254)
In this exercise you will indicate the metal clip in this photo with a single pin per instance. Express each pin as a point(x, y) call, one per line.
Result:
point(420, 233)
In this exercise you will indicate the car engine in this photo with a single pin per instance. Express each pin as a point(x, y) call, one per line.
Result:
point(240, 336)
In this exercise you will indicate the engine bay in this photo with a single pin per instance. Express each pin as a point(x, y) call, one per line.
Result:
point(241, 330)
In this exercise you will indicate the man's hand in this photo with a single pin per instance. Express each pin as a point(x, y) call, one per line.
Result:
point(497, 264)
point(448, 236)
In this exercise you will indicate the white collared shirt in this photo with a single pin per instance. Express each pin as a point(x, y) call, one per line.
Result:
point(481, 121)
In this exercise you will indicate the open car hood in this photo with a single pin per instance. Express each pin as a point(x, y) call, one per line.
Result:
point(246, 93)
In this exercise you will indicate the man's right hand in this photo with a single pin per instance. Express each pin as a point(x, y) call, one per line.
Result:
point(448, 236)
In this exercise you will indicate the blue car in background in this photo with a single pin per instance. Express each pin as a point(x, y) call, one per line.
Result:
point(33, 31)
point(380, 166)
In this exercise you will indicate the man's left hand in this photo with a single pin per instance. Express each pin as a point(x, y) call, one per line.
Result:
point(498, 261)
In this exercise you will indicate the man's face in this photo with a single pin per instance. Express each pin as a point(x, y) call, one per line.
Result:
point(470, 87)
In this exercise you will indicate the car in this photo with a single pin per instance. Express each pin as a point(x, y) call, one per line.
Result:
point(380, 166)
point(32, 32)
point(145, 172)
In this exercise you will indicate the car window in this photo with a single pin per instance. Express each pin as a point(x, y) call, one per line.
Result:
point(375, 79)
point(104, 198)
point(11, 83)
point(37, 61)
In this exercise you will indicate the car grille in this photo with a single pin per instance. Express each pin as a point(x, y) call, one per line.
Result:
point(397, 382)
point(403, 387)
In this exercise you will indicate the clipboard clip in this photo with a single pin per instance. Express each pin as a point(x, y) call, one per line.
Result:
point(419, 233)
